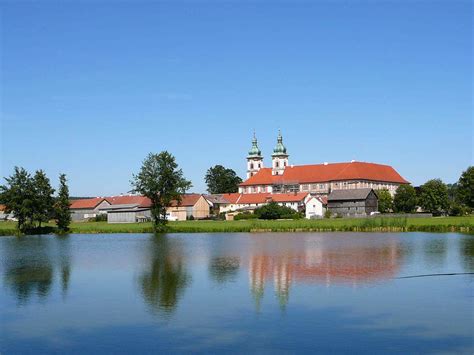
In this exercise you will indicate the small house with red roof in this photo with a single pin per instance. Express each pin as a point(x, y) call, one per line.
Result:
point(317, 179)
point(193, 206)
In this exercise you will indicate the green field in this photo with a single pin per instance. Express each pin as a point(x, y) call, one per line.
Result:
point(379, 224)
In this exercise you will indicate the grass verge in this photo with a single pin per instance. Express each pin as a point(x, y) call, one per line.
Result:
point(379, 224)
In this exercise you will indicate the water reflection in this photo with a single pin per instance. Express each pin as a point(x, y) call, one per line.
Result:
point(224, 269)
point(467, 253)
point(31, 266)
point(322, 261)
point(163, 282)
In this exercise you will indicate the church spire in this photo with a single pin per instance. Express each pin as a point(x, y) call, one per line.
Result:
point(254, 158)
point(279, 156)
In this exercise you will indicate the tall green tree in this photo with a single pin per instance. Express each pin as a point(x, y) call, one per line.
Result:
point(221, 180)
point(61, 207)
point(43, 198)
point(18, 195)
point(385, 201)
point(434, 197)
point(161, 181)
point(405, 199)
point(465, 187)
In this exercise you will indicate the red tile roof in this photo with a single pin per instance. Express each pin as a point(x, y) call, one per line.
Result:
point(267, 197)
point(142, 201)
point(87, 203)
point(187, 200)
point(327, 172)
point(231, 197)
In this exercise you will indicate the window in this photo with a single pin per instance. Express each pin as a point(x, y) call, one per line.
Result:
point(259, 165)
point(276, 164)
point(321, 186)
point(284, 164)
point(251, 165)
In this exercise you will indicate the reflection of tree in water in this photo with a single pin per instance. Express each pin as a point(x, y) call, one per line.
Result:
point(224, 269)
point(435, 251)
point(466, 245)
point(163, 283)
point(30, 266)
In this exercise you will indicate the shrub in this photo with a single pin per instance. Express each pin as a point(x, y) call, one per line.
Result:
point(273, 210)
point(99, 218)
point(327, 213)
point(245, 215)
point(190, 218)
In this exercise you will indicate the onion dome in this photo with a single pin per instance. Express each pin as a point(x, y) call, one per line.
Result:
point(254, 151)
point(279, 148)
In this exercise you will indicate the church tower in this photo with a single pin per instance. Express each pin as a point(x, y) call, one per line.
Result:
point(254, 159)
point(279, 157)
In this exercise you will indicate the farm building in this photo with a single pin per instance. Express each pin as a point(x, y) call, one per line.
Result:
point(194, 205)
point(130, 213)
point(84, 209)
point(356, 202)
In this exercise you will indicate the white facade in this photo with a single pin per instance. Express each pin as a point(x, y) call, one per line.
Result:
point(314, 208)
point(254, 164)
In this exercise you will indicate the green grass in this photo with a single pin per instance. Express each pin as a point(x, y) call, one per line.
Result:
point(379, 224)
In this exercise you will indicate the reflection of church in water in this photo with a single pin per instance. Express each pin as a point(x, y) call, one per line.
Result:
point(326, 265)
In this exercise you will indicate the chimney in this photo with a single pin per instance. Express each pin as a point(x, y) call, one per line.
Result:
point(325, 163)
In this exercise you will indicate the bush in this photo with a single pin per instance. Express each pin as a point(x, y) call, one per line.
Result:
point(327, 213)
point(274, 211)
point(99, 218)
point(190, 218)
point(245, 215)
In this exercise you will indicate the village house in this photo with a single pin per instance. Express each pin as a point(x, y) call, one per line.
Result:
point(191, 206)
point(318, 179)
point(236, 202)
point(356, 202)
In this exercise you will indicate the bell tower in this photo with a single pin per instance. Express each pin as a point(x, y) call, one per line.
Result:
point(279, 157)
point(254, 159)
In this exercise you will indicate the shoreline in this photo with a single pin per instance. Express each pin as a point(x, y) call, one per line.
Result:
point(379, 224)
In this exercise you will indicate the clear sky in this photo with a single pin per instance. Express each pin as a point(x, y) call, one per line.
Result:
point(89, 88)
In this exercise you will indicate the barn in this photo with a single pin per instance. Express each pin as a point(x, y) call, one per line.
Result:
point(355, 202)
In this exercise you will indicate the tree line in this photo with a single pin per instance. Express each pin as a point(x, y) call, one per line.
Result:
point(434, 196)
point(32, 202)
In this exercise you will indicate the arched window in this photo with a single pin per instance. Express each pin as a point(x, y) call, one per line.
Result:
point(251, 165)
point(276, 164)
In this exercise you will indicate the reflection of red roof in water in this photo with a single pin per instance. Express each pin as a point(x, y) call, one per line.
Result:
point(354, 265)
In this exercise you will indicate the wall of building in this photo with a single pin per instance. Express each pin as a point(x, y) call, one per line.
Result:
point(314, 208)
point(201, 209)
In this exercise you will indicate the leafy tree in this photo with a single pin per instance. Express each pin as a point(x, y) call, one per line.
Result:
point(434, 196)
point(18, 195)
point(162, 182)
point(405, 199)
point(43, 198)
point(61, 207)
point(465, 187)
point(385, 201)
point(220, 180)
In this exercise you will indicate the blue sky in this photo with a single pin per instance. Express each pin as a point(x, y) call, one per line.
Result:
point(89, 88)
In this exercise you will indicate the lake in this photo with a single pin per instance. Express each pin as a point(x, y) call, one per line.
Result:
point(270, 293)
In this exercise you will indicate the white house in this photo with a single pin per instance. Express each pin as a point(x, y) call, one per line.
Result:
point(314, 207)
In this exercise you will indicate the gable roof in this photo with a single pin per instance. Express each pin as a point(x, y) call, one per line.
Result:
point(87, 203)
point(347, 195)
point(187, 200)
point(141, 201)
point(327, 172)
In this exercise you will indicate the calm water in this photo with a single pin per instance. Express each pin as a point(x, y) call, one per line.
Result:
point(237, 292)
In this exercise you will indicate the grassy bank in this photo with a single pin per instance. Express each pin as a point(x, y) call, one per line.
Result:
point(380, 224)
